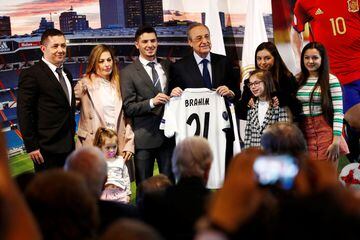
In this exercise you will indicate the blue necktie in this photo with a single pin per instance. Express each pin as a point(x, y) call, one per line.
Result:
point(206, 74)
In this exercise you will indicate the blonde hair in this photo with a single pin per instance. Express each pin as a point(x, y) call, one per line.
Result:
point(93, 61)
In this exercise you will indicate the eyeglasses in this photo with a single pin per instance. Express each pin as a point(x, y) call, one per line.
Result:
point(254, 84)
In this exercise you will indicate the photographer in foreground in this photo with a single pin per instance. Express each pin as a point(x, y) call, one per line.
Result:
point(247, 208)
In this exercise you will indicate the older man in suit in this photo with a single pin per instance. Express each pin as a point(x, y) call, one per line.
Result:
point(46, 105)
point(203, 69)
point(143, 87)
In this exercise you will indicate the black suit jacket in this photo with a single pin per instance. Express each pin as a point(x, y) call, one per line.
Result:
point(46, 119)
point(174, 212)
point(185, 73)
point(110, 211)
point(137, 89)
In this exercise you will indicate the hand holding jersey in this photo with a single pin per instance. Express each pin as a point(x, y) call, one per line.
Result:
point(223, 91)
point(200, 112)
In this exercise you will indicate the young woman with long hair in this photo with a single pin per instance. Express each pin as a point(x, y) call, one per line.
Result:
point(321, 97)
point(99, 99)
point(268, 58)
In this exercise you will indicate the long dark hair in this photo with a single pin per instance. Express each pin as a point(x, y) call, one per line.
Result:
point(323, 80)
point(279, 68)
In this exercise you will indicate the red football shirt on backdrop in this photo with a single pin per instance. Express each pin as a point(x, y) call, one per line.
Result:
point(336, 24)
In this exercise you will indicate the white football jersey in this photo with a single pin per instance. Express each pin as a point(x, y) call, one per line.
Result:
point(200, 112)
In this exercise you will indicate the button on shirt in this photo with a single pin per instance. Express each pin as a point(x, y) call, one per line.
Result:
point(198, 60)
point(53, 69)
point(160, 71)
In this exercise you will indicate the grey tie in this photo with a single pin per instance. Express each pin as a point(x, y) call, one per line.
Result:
point(63, 83)
point(155, 76)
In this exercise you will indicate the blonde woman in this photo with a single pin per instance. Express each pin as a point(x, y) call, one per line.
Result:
point(99, 99)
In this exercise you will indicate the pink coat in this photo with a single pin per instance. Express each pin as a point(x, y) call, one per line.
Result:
point(91, 115)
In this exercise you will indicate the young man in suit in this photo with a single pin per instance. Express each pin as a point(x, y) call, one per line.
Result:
point(143, 87)
point(46, 105)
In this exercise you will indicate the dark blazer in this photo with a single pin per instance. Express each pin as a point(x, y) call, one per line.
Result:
point(110, 211)
point(175, 212)
point(137, 89)
point(46, 119)
point(185, 73)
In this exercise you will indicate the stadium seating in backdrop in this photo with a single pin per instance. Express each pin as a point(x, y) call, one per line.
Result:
point(13, 140)
point(9, 82)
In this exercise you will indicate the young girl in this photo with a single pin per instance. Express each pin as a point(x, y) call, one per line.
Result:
point(117, 186)
point(263, 113)
point(268, 58)
point(321, 97)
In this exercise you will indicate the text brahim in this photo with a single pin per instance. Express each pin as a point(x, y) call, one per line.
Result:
point(197, 102)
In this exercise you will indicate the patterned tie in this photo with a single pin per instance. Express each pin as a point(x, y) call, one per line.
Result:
point(155, 76)
point(63, 83)
point(206, 74)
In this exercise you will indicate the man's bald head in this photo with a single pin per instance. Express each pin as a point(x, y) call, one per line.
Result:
point(90, 163)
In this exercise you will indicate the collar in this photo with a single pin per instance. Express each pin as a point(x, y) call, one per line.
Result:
point(198, 59)
point(51, 66)
point(145, 61)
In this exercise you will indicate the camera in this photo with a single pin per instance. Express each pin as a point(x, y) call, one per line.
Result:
point(275, 170)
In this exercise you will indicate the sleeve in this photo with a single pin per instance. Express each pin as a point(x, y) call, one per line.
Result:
point(27, 109)
point(129, 135)
point(79, 92)
point(300, 16)
point(174, 78)
point(336, 98)
point(287, 89)
point(248, 130)
point(242, 105)
point(288, 98)
point(168, 122)
point(132, 106)
point(283, 115)
point(233, 80)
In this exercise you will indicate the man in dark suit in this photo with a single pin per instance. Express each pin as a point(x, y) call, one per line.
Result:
point(143, 87)
point(46, 105)
point(203, 69)
point(179, 207)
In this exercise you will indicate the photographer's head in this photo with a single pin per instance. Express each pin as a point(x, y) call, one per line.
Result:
point(192, 158)
point(284, 138)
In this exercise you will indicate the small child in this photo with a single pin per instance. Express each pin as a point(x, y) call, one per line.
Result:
point(117, 186)
point(264, 113)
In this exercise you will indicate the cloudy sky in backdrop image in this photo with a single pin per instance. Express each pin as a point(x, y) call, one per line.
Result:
point(26, 14)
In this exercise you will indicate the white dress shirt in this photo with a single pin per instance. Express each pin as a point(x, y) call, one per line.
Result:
point(53, 69)
point(198, 60)
point(159, 70)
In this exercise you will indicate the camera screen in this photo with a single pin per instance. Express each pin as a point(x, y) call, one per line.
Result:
point(278, 169)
